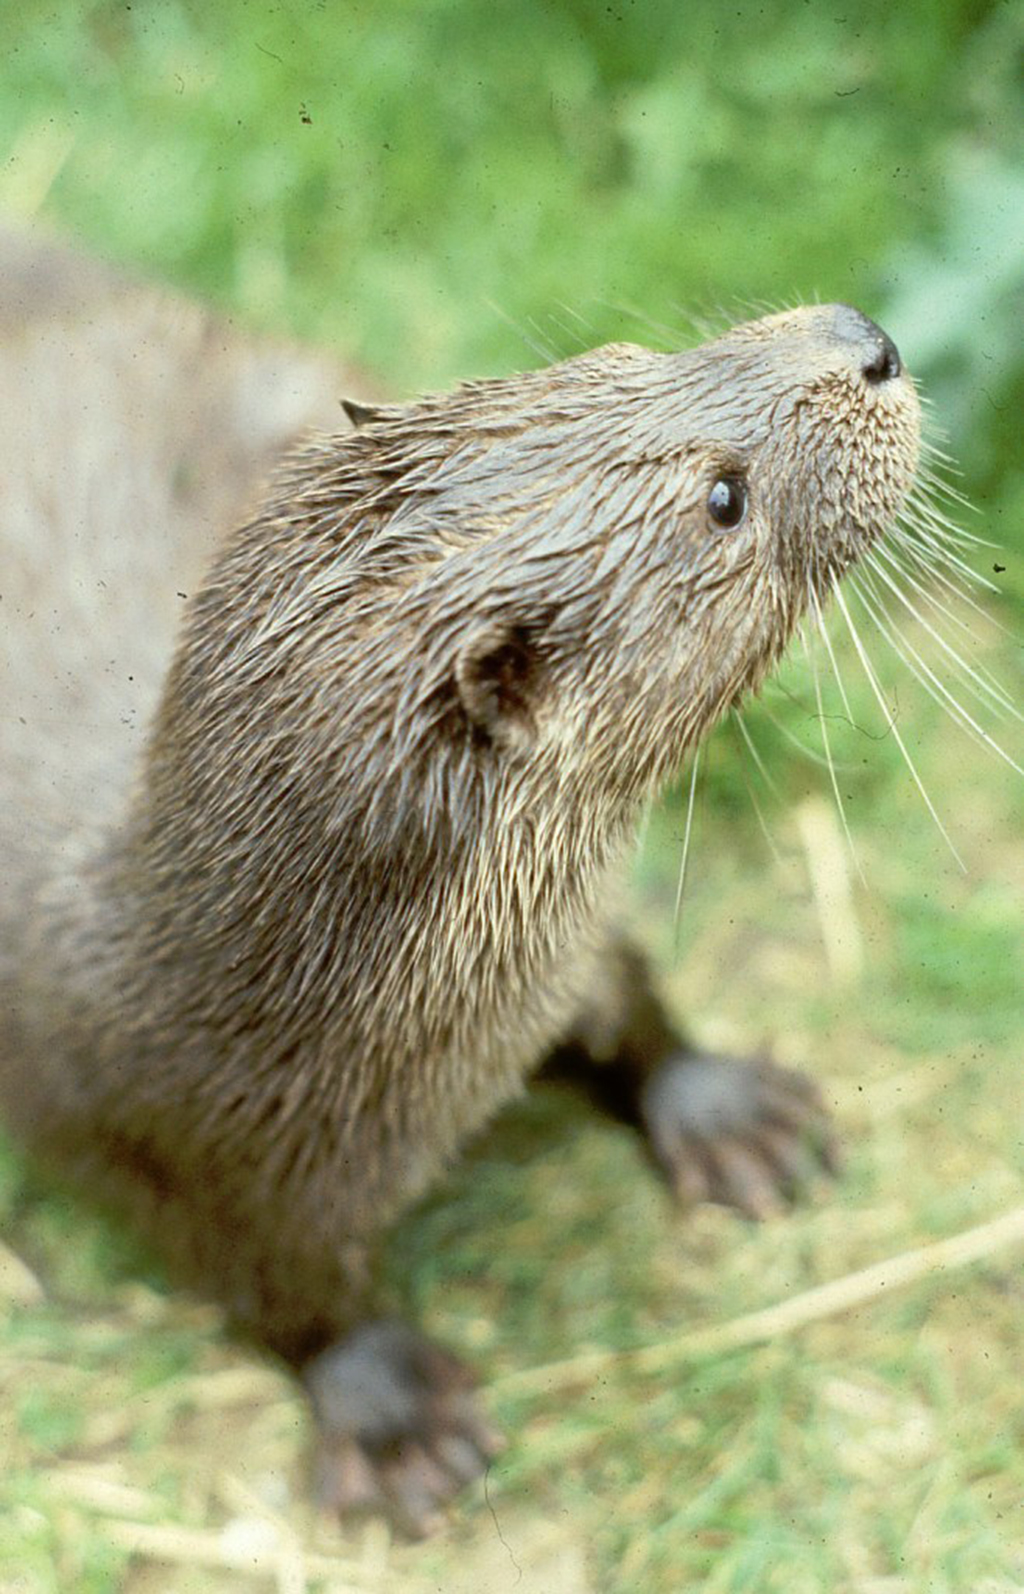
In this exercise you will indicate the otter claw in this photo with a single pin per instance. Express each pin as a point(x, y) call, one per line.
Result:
point(399, 1426)
point(744, 1134)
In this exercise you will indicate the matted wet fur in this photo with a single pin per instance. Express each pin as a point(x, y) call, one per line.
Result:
point(267, 962)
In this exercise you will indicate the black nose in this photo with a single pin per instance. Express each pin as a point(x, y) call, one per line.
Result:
point(880, 358)
point(883, 364)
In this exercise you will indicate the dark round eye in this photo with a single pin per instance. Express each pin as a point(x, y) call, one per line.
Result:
point(727, 502)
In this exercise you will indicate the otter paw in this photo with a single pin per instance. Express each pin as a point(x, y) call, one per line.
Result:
point(399, 1428)
point(746, 1134)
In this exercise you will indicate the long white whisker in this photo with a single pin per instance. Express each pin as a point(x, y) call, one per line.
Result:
point(784, 731)
point(924, 502)
point(919, 520)
point(762, 769)
point(755, 800)
point(932, 450)
point(837, 794)
point(936, 561)
point(894, 728)
point(686, 841)
point(823, 633)
point(931, 487)
point(891, 555)
point(983, 690)
point(914, 537)
point(935, 688)
point(787, 734)
point(988, 691)
point(537, 346)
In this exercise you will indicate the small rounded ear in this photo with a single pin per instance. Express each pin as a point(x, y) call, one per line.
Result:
point(497, 677)
point(360, 414)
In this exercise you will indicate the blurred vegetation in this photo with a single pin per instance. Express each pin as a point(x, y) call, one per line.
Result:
point(445, 188)
point(438, 187)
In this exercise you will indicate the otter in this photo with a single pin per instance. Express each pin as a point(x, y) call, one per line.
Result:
point(279, 934)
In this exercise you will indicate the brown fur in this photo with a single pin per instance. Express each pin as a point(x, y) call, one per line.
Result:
point(260, 981)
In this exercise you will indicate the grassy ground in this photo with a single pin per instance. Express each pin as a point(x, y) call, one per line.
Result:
point(434, 189)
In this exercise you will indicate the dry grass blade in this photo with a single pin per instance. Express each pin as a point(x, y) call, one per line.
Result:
point(787, 1317)
point(250, 1547)
point(827, 861)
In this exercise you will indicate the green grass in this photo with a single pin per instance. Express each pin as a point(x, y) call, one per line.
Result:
point(447, 189)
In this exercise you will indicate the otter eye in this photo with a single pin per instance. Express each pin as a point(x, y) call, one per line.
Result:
point(727, 502)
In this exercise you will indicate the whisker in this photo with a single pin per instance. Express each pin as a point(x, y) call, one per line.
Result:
point(823, 633)
point(936, 467)
point(744, 730)
point(671, 336)
point(686, 843)
point(937, 555)
point(922, 510)
point(786, 733)
point(961, 598)
point(578, 332)
point(545, 343)
point(837, 794)
point(931, 683)
point(891, 555)
point(940, 488)
point(736, 724)
point(894, 728)
point(937, 559)
point(932, 449)
point(536, 345)
point(933, 488)
point(934, 439)
point(981, 689)
point(589, 328)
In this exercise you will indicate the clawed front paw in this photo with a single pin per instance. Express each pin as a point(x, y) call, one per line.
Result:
point(400, 1430)
point(746, 1134)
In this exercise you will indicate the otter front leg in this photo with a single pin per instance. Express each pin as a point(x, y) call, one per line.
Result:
point(397, 1423)
point(745, 1133)
point(399, 1427)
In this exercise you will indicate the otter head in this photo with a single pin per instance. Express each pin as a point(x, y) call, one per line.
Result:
point(602, 556)
point(548, 583)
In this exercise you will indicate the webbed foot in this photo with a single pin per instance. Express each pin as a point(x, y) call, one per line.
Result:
point(745, 1134)
point(400, 1430)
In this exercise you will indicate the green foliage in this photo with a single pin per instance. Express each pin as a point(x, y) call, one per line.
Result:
point(425, 184)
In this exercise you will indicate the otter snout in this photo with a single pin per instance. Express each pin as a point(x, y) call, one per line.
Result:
point(879, 357)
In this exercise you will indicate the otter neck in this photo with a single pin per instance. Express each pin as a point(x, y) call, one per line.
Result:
point(257, 932)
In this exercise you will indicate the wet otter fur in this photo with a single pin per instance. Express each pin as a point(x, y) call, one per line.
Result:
point(268, 962)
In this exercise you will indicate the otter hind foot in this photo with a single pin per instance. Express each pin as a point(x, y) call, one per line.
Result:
point(399, 1427)
point(748, 1135)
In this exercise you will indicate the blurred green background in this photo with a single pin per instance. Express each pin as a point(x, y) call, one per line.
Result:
point(432, 185)
point(447, 189)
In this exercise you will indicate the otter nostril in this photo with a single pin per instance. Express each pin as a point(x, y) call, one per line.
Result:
point(878, 355)
point(883, 364)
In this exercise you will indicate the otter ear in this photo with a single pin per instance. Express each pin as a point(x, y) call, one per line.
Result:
point(497, 679)
point(360, 414)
